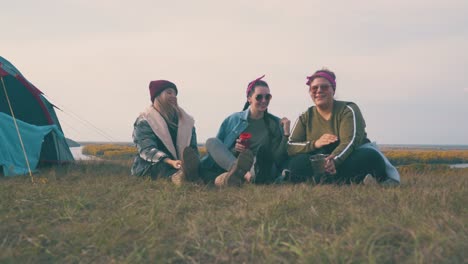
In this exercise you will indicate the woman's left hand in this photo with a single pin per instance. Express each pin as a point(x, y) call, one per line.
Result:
point(330, 165)
point(286, 123)
point(248, 177)
point(239, 147)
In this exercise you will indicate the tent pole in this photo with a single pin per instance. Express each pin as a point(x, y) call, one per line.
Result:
point(17, 130)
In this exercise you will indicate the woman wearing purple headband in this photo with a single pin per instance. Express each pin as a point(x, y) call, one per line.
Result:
point(335, 129)
point(252, 136)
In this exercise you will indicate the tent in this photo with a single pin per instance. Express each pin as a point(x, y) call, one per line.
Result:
point(30, 132)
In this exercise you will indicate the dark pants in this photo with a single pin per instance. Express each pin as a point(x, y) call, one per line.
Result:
point(161, 170)
point(265, 169)
point(353, 170)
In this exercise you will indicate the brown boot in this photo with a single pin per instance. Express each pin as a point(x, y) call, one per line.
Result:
point(178, 178)
point(235, 175)
point(190, 165)
point(221, 180)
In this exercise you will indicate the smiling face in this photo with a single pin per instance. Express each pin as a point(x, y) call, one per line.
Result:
point(259, 99)
point(321, 92)
point(168, 96)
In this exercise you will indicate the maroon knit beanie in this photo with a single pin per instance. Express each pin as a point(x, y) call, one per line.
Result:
point(156, 87)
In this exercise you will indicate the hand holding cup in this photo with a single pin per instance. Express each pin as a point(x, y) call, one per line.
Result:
point(243, 143)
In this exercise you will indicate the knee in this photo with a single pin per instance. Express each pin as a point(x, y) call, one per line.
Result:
point(370, 155)
point(211, 142)
point(300, 168)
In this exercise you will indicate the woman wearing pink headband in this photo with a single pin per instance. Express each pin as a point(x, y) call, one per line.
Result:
point(252, 136)
point(335, 129)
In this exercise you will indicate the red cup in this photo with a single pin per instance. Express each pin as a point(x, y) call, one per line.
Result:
point(244, 139)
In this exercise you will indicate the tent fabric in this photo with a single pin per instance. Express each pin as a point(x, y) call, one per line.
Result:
point(39, 121)
point(12, 156)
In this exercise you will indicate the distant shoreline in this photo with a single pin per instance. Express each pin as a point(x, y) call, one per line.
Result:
point(423, 147)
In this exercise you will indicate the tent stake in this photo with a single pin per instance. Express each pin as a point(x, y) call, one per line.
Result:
point(17, 130)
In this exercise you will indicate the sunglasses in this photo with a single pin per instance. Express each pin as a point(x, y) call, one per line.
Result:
point(321, 86)
point(260, 97)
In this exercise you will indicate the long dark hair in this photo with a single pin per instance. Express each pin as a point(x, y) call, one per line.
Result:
point(267, 117)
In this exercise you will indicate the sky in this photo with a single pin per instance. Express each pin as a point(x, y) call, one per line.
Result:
point(404, 63)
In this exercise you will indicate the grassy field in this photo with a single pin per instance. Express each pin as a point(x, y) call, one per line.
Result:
point(93, 212)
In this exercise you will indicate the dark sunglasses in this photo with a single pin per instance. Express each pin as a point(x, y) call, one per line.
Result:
point(260, 97)
point(322, 86)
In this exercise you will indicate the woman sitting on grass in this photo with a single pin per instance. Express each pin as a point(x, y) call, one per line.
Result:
point(248, 137)
point(165, 137)
point(337, 129)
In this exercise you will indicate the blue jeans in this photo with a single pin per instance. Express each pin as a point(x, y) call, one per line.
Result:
point(263, 170)
point(220, 153)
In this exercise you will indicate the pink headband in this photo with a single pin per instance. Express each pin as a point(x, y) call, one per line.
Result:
point(323, 75)
point(252, 84)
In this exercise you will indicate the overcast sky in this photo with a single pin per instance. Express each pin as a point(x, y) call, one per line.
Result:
point(404, 62)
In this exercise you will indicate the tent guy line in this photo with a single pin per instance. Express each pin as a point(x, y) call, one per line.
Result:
point(81, 120)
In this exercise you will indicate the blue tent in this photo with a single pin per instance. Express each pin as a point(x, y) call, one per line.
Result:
point(30, 132)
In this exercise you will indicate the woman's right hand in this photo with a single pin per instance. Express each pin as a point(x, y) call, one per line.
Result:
point(176, 164)
point(330, 165)
point(324, 140)
point(239, 147)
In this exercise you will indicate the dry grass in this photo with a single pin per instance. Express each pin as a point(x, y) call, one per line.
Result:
point(95, 212)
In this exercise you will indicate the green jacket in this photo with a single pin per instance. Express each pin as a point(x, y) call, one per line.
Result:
point(346, 123)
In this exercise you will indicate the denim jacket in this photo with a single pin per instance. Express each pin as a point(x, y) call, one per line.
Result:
point(235, 124)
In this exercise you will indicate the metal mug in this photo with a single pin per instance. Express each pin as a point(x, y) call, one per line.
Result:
point(318, 162)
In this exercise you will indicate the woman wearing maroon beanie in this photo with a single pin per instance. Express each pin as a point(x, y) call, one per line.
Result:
point(252, 136)
point(165, 137)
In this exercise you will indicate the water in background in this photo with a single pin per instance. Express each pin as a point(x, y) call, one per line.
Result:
point(459, 166)
point(78, 155)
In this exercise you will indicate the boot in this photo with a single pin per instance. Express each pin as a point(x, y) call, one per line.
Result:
point(189, 170)
point(178, 178)
point(190, 165)
point(235, 175)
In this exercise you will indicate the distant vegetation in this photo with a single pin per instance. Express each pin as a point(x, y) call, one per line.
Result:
point(110, 151)
point(116, 151)
point(405, 157)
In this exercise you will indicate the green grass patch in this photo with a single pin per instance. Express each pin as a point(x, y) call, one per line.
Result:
point(94, 212)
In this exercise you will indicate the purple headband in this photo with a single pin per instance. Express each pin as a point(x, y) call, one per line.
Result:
point(252, 84)
point(323, 75)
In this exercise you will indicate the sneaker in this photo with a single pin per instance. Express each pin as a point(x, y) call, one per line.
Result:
point(190, 164)
point(389, 183)
point(284, 177)
point(235, 175)
point(369, 180)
